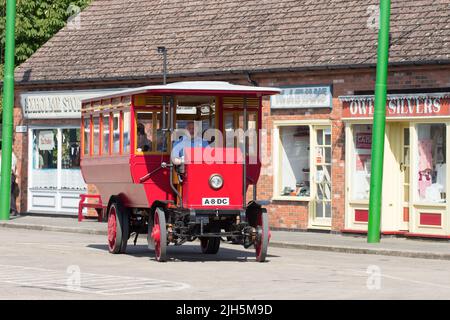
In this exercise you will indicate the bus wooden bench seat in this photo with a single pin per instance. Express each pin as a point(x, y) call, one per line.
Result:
point(98, 206)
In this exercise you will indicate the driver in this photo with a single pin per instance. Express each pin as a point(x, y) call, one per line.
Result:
point(187, 142)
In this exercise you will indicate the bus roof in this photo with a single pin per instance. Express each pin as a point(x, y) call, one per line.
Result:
point(191, 87)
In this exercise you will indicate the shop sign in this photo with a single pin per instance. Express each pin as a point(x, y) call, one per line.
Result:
point(21, 129)
point(61, 104)
point(433, 105)
point(364, 140)
point(46, 140)
point(302, 97)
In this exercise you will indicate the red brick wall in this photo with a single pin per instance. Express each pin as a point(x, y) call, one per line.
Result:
point(286, 214)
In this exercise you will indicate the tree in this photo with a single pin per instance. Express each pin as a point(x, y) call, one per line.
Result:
point(36, 22)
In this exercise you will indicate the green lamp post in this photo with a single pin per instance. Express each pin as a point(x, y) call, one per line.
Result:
point(8, 108)
point(379, 121)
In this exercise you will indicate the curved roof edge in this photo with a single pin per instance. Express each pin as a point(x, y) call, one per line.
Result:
point(213, 87)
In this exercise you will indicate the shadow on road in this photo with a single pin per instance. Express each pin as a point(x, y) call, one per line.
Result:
point(189, 253)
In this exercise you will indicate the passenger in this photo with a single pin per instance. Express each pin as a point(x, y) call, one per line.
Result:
point(143, 143)
point(187, 142)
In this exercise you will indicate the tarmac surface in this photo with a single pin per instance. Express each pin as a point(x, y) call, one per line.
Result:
point(356, 244)
point(39, 264)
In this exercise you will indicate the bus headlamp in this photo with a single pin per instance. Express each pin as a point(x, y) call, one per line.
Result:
point(216, 181)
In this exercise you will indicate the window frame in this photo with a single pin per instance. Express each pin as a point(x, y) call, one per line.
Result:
point(236, 112)
point(83, 142)
point(313, 125)
point(102, 128)
point(154, 111)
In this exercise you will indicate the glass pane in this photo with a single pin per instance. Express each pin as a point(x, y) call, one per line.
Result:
point(431, 162)
point(252, 139)
point(106, 134)
point(116, 133)
point(406, 155)
point(319, 209)
point(144, 132)
point(87, 136)
point(70, 149)
point(327, 136)
point(126, 132)
point(406, 136)
point(161, 143)
point(45, 159)
point(319, 155)
point(96, 133)
point(230, 140)
point(327, 155)
point(295, 159)
point(320, 137)
point(320, 192)
point(71, 178)
point(327, 210)
point(361, 161)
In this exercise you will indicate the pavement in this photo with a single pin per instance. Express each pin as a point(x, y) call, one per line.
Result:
point(317, 241)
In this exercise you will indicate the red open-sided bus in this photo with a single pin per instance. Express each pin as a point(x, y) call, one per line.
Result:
point(172, 188)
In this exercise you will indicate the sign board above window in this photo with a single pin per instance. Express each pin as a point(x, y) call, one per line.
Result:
point(302, 97)
point(56, 104)
point(398, 106)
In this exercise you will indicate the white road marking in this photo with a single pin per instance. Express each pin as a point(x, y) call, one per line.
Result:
point(92, 283)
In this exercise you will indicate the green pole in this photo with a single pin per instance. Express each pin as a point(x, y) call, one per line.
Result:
point(379, 121)
point(8, 109)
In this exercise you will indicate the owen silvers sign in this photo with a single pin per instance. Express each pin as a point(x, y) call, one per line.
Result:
point(302, 97)
point(53, 105)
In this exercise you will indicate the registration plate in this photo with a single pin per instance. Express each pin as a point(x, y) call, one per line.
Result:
point(215, 201)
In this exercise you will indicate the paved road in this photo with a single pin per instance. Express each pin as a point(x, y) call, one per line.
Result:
point(53, 265)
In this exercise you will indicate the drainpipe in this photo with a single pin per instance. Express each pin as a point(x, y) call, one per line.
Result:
point(379, 122)
point(8, 109)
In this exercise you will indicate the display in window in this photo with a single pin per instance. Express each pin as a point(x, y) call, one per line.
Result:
point(295, 161)
point(431, 163)
point(361, 166)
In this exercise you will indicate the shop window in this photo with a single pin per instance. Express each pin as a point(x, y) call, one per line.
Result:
point(431, 163)
point(105, 135)
point(96, 135)
point(116, 133)
point(362, 141)
point(45, 159)
point(294, 161)
point(126, 131)
point(70, 161)
point(87, 136)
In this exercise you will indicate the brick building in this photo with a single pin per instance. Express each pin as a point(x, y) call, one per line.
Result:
point(321, 53)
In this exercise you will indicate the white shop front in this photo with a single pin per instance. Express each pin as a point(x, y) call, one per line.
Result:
point(415, 177)
point(53, 127)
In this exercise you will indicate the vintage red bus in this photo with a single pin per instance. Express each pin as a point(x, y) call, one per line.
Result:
point(198, 191)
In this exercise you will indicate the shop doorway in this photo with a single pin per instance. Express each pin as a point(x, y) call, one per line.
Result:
point(321, 191)
point(397, 177)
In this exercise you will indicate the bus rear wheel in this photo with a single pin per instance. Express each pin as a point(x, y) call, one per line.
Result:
point(118, 226)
